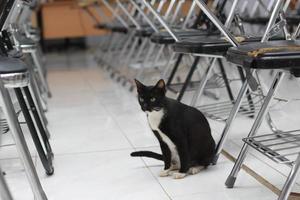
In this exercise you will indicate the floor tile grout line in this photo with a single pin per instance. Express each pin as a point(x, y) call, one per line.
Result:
point(155, 177)
point(91, 152)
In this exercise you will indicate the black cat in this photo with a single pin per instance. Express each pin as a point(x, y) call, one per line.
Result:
point(183, 132)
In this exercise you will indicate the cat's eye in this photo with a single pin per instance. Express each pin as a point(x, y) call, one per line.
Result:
point(152, 99)
point(141, 99)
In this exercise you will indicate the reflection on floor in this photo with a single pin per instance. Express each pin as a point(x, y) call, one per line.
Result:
point(95, 124)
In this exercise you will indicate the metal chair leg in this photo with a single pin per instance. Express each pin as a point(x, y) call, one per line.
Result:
point(188, 78)
point(203, 82)
point(39, 69)
point(262, 112)
point(249, 98)
point(230, 119)
point(147, 57)
point(288, 186)
point(42, 128)
point(225, 78)
point(45, 157)
point(21, 144)
point(4, 190)
point(131, 52)
point(37, 98)
point(140, 51)
point(174, 70)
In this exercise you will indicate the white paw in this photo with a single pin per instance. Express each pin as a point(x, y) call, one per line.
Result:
point(164, 173)
point(195, 170)
point(171, 172)
point(178, 175)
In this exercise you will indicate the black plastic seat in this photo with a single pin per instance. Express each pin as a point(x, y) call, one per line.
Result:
point(112, 28)
point(280, 54)
point(11, 65)
point(212, 45)
point(145, 31)
point(164, 37)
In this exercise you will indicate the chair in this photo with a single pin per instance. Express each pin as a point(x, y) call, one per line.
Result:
point(281, 147)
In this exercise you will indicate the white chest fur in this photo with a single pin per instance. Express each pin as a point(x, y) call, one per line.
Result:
point(154, 119)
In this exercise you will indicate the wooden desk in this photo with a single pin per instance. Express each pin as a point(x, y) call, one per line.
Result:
point(65, 19)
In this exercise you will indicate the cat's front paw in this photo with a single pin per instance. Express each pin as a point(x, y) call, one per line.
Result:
point(171, 172)
point(164, 173)
point(178, 175)
point(195, 170)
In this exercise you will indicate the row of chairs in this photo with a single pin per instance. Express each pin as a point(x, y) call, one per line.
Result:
point(23, 91)
point(155, 39)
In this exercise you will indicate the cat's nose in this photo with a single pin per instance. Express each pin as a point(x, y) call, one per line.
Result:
point(144, 107)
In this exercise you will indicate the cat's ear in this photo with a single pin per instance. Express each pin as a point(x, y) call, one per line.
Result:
point(139, 86)
point(161, 85)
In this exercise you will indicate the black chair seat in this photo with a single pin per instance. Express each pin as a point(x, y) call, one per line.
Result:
point(11, 65)
point(280, 54)
point(145, 31)
point(101, 26)
point(212, 45)
point(164, 37)
point(112, 28)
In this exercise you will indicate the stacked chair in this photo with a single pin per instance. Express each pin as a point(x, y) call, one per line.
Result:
point(24, 90)
point(210, 38)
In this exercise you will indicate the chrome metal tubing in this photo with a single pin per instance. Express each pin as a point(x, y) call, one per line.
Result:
point(128, 15)
point(272, 20)
point(288, 186)
point(149, 21)
point(254, 9)
point(217, 23)
point(21, 144)
point(286, 5)
point(165, 72)
point(39, 70)
point(161, 20)
point(131, 51)
point(169, 10)
point(101, 13)
point(231, 117)
point(160, 6)
point(147, 57)
point(296, 33)
point(119, 18)
point(178, 7)
point(188, 16)
point(256, 125)
point(203, 82)
point(4, 190)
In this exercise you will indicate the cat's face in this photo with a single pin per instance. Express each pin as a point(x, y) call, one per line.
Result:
point(151, 97)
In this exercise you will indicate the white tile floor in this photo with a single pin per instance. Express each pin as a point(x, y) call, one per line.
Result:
point(95, 124)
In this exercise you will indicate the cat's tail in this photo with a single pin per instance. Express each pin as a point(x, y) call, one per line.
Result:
point(148, 154)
